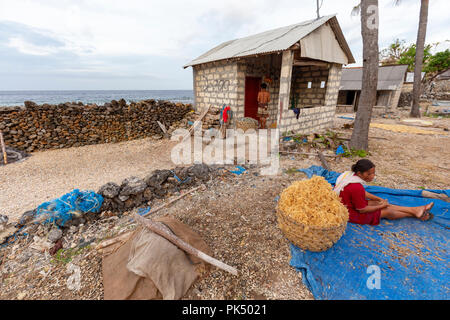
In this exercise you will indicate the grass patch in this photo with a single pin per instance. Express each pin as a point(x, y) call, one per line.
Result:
point(64, 256)
point(435, 115)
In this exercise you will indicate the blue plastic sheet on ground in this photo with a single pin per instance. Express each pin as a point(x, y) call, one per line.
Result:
point(412, 256)
point(347, 118)
point(63, 209)
point(239, 170)
point(143, 211)
point(340, 150)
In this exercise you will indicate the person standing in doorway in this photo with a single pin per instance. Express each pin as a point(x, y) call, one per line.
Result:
point(263, 102)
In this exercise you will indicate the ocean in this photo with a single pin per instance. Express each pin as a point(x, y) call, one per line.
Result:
point(17, 98)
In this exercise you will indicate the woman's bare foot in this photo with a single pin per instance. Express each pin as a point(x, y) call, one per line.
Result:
point(424, 212)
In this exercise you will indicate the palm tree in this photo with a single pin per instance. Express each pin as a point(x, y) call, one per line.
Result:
point(369, 32)
point(420, 44)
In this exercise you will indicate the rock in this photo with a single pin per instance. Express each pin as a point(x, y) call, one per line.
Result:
point(200, 171)
point(54, 235)
point(148, 194)
point(58, 245)
point(132, 186)
point(109, 190)
point(157, 178)
point(27, 217)
point(3, 221)
point(123, 198)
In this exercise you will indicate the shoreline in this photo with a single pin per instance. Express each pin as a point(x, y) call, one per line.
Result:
point(16, 98)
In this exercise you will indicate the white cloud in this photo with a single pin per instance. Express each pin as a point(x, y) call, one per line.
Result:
point(28, 48)
point(97, 30)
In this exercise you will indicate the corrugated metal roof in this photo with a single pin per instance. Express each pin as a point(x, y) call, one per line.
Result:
point(389, 78)
point(270, 41)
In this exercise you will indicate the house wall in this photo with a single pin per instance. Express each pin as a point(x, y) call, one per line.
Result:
point(320, 117)
point(309, 96)
point(223, 82)
point(215, 84)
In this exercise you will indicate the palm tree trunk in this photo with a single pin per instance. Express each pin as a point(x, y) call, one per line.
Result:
point(420, 44)
point(369, 32)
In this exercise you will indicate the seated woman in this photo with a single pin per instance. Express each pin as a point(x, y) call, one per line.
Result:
point(349, 186)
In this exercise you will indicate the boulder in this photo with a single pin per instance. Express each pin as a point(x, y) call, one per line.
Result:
point(109, 190)
point(132, 186)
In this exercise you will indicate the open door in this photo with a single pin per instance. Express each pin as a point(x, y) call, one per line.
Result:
point(252, 86)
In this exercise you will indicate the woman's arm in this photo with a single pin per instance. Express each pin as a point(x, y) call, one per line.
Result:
point(367, 209)
point(372, 197)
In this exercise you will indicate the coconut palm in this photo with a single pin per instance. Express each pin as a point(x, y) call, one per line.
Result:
point(420, 44)
point(369, 30)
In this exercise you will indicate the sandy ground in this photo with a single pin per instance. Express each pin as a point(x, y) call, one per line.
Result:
point(50, 174)
point(402, 160)
point(235, 215)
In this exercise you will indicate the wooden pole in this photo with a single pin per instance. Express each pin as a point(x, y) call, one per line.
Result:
point(173, 200)
point(2, 142)
point(309, 154)
point(323, 160)
point(164, 232)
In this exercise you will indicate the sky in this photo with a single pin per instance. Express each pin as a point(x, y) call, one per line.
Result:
point(143, 44)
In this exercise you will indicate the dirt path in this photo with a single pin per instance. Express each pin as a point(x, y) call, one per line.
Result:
point(50, 174)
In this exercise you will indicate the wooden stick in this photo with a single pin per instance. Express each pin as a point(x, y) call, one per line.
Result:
point(196, 122)
point(164, 232)
point(172, 201)
point(107, 243)
point(323, 161)
point(309, 154)
point(2, 142)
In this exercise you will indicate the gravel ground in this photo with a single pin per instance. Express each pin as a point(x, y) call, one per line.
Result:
point(235, 215)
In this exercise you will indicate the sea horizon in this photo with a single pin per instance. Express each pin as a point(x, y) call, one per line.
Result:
point(10, 98)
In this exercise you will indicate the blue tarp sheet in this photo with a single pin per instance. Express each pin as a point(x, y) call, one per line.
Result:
point(400, 259)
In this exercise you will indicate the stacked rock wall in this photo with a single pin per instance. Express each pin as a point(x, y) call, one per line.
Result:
point(38, 127)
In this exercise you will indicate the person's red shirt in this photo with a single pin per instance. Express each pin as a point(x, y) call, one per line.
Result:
point(353, 196)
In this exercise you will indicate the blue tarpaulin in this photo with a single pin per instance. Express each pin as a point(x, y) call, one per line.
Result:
point(398, 259)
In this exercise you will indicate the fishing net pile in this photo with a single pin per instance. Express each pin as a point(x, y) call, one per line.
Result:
point(313, 203)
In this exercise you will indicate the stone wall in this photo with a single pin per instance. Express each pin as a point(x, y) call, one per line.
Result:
point(38, 127)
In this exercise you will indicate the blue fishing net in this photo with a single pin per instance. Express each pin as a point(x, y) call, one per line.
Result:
point(70, 205)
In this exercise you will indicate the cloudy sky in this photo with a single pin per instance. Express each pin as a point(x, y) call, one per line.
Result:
point(143, 44)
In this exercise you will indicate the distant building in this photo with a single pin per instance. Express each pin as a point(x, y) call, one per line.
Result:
point(301, 64)
point(389, 87)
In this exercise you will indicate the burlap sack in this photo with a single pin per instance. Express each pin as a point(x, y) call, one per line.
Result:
point(150, 267)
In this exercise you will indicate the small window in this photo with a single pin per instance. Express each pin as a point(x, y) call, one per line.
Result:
point(309, 84)
point(322, 84)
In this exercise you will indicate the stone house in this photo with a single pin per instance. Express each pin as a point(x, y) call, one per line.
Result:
point(389, 88)
point(301, 64)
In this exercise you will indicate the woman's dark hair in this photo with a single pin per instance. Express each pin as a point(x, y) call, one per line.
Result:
point(263, 85)
point(362, 165)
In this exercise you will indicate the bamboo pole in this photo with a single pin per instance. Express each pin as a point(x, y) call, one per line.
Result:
point(164, 232)
point(2, 142)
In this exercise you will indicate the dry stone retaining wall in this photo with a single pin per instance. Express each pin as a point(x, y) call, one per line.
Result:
point(38, 127)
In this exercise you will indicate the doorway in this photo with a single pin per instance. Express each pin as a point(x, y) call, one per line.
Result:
point(252, 86)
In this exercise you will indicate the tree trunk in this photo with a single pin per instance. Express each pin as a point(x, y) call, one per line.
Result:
point(369, 32)
point(420, 44)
